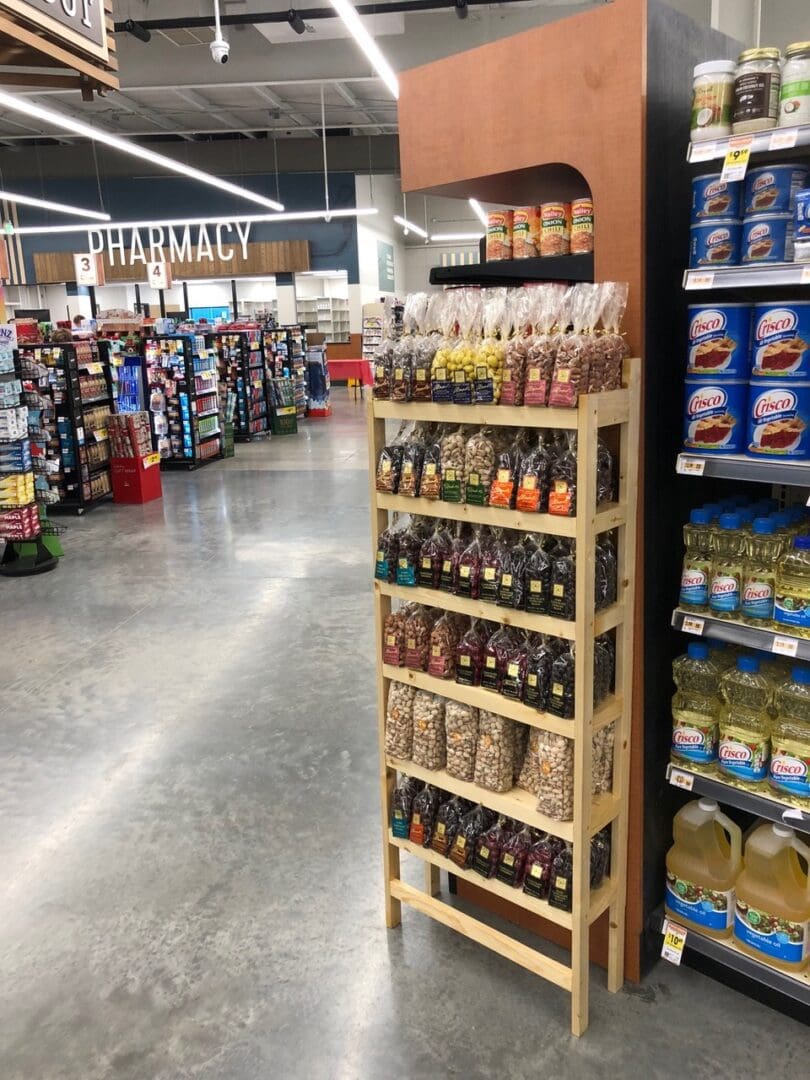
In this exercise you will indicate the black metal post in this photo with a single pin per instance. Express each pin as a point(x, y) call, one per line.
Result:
point(91, 292)
point(162, 296)
point(185, 300)
point(138, 304)
point(235, 301)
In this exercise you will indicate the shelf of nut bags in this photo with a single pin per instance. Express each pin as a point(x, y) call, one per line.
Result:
point(516, 448)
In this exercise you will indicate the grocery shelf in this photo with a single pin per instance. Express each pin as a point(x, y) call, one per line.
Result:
point(777, 140)
point(786, 991)
point(481, 698)
point(740, 634)
point(516, 271)
point(608, 517)
point(714, 787)
point(739, 467)
point(480, 609)
point(776, 275)
point(611, 408)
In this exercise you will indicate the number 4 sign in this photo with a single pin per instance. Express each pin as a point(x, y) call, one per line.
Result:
point(159, 275)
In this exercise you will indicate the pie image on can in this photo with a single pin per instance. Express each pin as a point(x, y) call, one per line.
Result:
point(783, 355)
point(715, 198)
point(772, 188)
point(778, 419)
point(767, 238)
point(764, 200)
point(714, 415)
point(714, 242)
point(714, 430)
point(780, 340)
point(719, 340)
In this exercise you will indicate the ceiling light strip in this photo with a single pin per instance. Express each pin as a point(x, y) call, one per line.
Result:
point(87, 131)
point(439, 237)
point(356, 28)
point(479, 211)
point(409, 226)
point(222, 219)
point(59, 208)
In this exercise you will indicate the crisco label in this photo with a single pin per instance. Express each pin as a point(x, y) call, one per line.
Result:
point(719, 339)
point(725, 593)
point(790, 767)
point(704, 907)
point(757, 598)
point(779, 418)
point(780, 939)
point(714, 415)
point(747, 760)
point(781, 340)
point(695, 584)
point(695, 742)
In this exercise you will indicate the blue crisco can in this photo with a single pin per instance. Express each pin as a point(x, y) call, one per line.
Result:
point(715, 415)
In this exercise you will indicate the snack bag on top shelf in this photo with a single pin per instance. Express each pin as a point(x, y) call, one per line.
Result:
point(517, 347)
point(462, 358)
point(610, 347)
point(382, 362)
point(413, 319)
point(546, 313)
point(401, 370)
point(490, 351)
point(443, 308)
point(572, 365)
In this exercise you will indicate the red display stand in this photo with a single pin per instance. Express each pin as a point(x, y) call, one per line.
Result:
point(136, 480)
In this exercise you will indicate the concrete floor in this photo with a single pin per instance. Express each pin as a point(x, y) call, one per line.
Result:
point(190, 862)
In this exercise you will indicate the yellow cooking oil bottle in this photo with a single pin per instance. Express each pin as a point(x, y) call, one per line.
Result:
point(791, 608)
point(772, 911)
point(702, 866)
point(725, 590)
point(763, 546)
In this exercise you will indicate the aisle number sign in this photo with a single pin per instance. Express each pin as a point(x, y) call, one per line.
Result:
point(159, 275)
point(88, 269)
point(735, 164)
point(674, 941)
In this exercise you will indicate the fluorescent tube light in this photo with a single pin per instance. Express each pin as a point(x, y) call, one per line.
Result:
point(409, 226)
point(87, 131)
point(480, 212)
point(60, 208)
point(302, 215)
point(354, 24)
point(455, 236)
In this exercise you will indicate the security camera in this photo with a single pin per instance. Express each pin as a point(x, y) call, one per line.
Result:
point(220, 50)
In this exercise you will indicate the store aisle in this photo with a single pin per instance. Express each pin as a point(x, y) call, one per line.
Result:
point(190, 823)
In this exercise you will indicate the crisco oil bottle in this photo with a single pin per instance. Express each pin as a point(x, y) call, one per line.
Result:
point(697, 562)
point(791, 610)
point(759, 573)
point(772, 909)
point(714, 510)
point(789, 772)
point(702, 867)
point(696, 707)
point(721, 654)
point(745, 724)
point(726, 585)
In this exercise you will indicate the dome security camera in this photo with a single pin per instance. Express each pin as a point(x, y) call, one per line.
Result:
point(220, 50)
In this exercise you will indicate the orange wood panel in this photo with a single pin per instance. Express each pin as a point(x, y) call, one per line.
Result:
point(347, 350)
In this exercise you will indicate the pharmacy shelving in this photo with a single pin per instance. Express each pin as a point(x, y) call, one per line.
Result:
point(618, 409)
point(761, 803)
point(182, 377)
point(241, 367)
point(737, 633)
point(326, 315)
point(745, 469)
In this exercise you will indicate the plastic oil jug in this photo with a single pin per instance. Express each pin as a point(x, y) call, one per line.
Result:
point(772, 913)
point(726, 585)
point(696, 706)
point(791, 609)
point(697, 562)
point(759, 573)
point(789, 772)
point(702, 867)
point(745, 723)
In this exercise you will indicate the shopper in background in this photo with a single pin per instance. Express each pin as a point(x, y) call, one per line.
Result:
point(81, 329)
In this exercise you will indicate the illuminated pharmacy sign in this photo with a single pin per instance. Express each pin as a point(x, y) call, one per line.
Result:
point(76, 22)
point(220, 242)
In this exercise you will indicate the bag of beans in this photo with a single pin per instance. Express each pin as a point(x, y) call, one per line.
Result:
point(512, 862)
point(469, 569)
point(545, 309)
point(514, 676)
point(402, 799)
point(488, 846)
point(503, 489)
point(555, 757)
point(538, 866)
point(443, 645)
point(417, 637)
point(494, 753)
point(534, 478)
point(470, 655)
point(563, 602)
point(448, 820)
point(429, 748)
point(529, 777)
point(399, 721)
point(452, 465)
point(562, 499)
point(470, 827)
point(423, 815)
point(517, 347)
point(461, 732)
point(495, 554)
point(479, 466)
point(430, 481)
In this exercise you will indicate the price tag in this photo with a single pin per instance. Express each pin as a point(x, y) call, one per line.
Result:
point(699, 281)
point(783, 139)
point(93, 369)
point(150, 460)
point(805, 276)
point(784, 646)
point(735, 164)
point(690, 466)
point(692, 625)
point(680, 779)
point(100, 435)
point(703, 151)
point(674, 941)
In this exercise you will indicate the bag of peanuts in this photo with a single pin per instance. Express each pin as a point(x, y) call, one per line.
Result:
point(495, 552)
point(432, 555)
point(563, 603)
point(423, 815)
point(443, 645)
point(498, 647)
point(402, 799)
point(452, 449)
point(517, 347)
point(562, 499)
point(546, 310)
point(512, 580)
point(417, 637)
point(610, 345)
point(470, 655)
point(529, 778)
point(488, 847)
point(494, 753)
point(602, 761)
point(448, 820)
point(469, 569)
point(575, 350)
point(470, 827)
point(490, 351)
point(512, 862)
point(508, 458)
point(555, 756)
point(521, 744)
point(429, 747)
point(561, 697)
point(479, 466)
point(399, 721)
point(394, 636)
point(534, 478)
point(461, 733)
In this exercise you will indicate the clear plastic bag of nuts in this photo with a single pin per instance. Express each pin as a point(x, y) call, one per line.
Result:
point(389, 463)
point(562, 499)
point(529, 777)
point(430, 482)
point(602, 760)
point(610, 345)
point(429, 749)
point(452, 465)
point(517, 347)
point(479, 466)
point(461, 732)
point(417, 637)
point(443, 644)
point(399, 720)
point(572, 364)
point(394, 636)
point(495, 751)
point(555, 764)
point(413, 453)
point(534, 477)
point(547, 312)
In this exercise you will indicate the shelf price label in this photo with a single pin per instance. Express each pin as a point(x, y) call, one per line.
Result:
point(784, 646)
point(692, 625)
point(805, 275)
point(674, 941)
point(703, 151)
point(690, 466)
point(699, 281)
point(150, 459)
point(681, 779)
point(783, 139)
point(735, 164)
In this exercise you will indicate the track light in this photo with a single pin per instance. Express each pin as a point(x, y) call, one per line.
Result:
point(354, 24)
point(461, 8)
point(479, 211)
point(409, 226)
point(138, 31)
point(114, 226)
point(439, 237)
point(296, 22)
point(59, 208)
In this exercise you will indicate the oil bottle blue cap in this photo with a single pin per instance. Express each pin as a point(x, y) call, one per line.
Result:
point(697, 650)
point(747, 663)
point(700, 517)
point(763, 525)
point(801, 675)
point(802, 543)
point(730, 521)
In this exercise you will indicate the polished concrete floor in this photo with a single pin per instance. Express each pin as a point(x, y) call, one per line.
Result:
point(190, 882)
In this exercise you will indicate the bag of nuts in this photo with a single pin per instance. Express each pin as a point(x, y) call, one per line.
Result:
point(517, 347)
point(610, 345)
point(555, 757)
point(538, 581)
point(461, 732)
point(394, 636)
point(402, 804)
point(448, 820)
point(462, 358)
point(503, 489)
point(529, 778)
point(443, 645)
point(534, 478)
point(458, 545)
point(401, 370)
point(514, 676)
point(442, 310)
point(539, 864)
point(498, 648)
point(432, 555)
point(430, 483)
point(470, 655)
point(423, 815)
point(429, 749)
point(562, 499)
point(563, 603)
point(382, 363)
point(488, 847)
point(546, 310)
point(602, 765)
point(561, 697)
point(389, 464)
point(470, 827)
point(489, 355)
point(385, 564)
point(399, 721)
point(512, 862)
point(479, 466)
point(417, 638)
point(537, 687)
point(469, 569)
point(495, 554)
point(453, 446)
point(410, 544)
point(512, 580)
point(494, 752)
point(413, 453)
point(605, 474)
point(521, 745)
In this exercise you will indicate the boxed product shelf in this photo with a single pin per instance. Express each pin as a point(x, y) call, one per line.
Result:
point(617, 409)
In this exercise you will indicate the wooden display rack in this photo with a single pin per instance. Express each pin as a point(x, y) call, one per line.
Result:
point(617, 409)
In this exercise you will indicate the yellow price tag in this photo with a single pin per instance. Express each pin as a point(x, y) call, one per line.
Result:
point(674, 941)
point(735, 163)
point(151, 459)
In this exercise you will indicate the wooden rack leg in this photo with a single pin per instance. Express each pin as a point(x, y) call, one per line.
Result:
point(432, 881)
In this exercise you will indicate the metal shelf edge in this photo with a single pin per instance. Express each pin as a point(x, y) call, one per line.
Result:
point(739, 634)
point(749, 801)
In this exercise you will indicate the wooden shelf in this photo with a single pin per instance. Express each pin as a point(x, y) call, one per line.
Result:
point(479, 609)
point(610, 408)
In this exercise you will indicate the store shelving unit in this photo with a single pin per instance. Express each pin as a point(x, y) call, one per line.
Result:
point(737, 633)
point(372, 332)
point(516, 271)
point(613, 409)
point(325, 315)
point(286, 346)
point(777, 275)
point(241, 366)
point(745, 469)
point(183, 400)
point(777, 140)
point(761, 803)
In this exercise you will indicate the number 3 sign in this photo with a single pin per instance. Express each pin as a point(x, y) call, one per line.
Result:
point(88, 269)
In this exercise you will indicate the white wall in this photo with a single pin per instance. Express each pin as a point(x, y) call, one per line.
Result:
point(385, 195)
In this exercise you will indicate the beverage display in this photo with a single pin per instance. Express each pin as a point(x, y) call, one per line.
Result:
point(727, 570)
point(791, 609)
point(759, 573)
point(745, 722)
point(696, 706)
point(702, 866)
point(772, 904)
point(789, 772)
point(697, 562)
